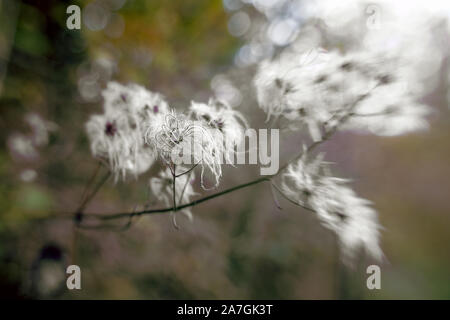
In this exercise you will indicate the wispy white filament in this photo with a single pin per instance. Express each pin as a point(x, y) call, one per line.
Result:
point(181, 141)
point(225, 124)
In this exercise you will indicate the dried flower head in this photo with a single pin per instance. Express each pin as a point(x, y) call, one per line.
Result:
point(225, 124)
point(351, 87)
point(117, 136)
point(338, 208)
point(181, 141)
point(133, 99)
point(114, 141)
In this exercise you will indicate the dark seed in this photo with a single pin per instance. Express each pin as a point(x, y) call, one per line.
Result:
point(278, 83)
point(288, 88)
point(348, 66)
point(386, 79)
point(110, 129)
point(391, 109)
point(321, 79)
point(341, 216)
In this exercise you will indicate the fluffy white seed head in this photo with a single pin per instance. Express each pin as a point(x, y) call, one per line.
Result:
point(225, 124)
point(337, 207)
point(117, 135)
point(341, 86)
point(181, 141)
point(121, 147)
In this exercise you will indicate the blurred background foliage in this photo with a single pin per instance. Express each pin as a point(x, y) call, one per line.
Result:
point(239, 246)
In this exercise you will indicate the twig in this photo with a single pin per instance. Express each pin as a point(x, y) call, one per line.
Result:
point(187, 171)
point(174, 176)
point(178, 208)
point(180, 198)
point(93, 193)
point(89, 183)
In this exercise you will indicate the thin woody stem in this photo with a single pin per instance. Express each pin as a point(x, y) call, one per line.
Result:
point(89, 183)
point(180, 198)
point(187, 171)
point(78, 214)
point(174, 176)
point(93, 193)
point(180, 207)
